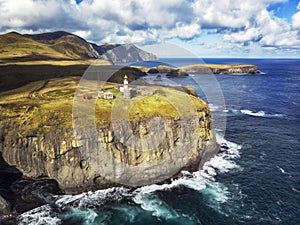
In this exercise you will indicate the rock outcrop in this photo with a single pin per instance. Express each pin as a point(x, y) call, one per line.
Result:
point(49, 131)
point(5, 207)
point(85, 161)
point(126, 53)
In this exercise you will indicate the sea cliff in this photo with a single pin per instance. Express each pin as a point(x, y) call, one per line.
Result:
point(58, 155)
point(36, 136)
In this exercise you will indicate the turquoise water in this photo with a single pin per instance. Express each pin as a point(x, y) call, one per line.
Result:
point(255, 180)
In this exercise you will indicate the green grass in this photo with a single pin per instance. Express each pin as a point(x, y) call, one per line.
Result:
point(196, 67)
point(14, 45)
point(43, 106)
point(66, 50)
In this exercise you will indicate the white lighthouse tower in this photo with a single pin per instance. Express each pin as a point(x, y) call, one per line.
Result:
point(125, 83)
point(127, 92)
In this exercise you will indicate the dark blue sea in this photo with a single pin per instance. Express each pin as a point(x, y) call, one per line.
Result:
point(255, 181)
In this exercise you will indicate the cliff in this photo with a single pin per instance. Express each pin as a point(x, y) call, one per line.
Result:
point(125, 54)
point(37, 137)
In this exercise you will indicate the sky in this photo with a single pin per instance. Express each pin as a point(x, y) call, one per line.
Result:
point(204, 28)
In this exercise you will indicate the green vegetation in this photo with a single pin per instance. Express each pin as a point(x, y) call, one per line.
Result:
point(42, 106)
point(202, 68)
point(14, 45)
point(57, 48)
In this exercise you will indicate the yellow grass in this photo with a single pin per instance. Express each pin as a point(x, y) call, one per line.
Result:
point(42, 106)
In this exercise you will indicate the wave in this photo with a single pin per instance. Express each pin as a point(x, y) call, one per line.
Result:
point(260, 114)
point(39, 216)
point(281, 170)
point(144, 198)
point(237, 112)
point(295, 190)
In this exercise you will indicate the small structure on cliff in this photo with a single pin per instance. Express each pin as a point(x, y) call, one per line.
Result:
point(87, 96)
point(105, 95)
point(129, 92)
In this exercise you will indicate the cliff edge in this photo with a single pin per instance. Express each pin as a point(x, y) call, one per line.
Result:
point(37, 135)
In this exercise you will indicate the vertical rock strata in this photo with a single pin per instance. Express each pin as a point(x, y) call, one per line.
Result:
point(84, 160)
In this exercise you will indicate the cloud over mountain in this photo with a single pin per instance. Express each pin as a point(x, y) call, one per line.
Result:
point(242, 22)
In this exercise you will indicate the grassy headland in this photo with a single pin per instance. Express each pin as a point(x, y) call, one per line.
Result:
point(202, 69)
point(42, 106)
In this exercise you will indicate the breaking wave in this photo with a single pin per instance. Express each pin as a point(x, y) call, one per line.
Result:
point(230, 111)
point(261, 114)
point(39, 216)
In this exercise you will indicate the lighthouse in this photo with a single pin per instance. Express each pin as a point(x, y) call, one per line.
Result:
point(127, 92)
point(125, 83)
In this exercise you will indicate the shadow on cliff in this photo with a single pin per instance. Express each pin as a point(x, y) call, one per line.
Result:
point(8, 175)
point(22, 194)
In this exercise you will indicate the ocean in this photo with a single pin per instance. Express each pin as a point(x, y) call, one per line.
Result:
point(255, 180)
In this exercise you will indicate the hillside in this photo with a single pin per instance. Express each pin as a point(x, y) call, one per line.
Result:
point(125, 53)
point(60, 46)
point(18, 47)
point(67, 44)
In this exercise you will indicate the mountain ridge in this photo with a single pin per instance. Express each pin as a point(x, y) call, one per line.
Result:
point(64, 45)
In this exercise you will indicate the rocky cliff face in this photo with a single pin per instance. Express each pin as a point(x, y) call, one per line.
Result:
point(84, 160)
point(127, 53)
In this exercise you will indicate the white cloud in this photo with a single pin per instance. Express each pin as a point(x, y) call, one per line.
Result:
point(243, 36)
point(82, 33)
point(243, 22)
point(229, 13)
point(269, 31)
point(37, 15)
point(296, 18)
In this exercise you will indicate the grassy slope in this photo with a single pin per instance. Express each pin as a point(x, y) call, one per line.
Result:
point(195, 67)
point(14, 45)
point(62, 49)
point(42, 106)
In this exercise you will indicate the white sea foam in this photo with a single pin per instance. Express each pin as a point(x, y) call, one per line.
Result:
point(295, 190)
point(39, 216)
point(281, 170)
point(261, 114)
point(202, 181)
point(88, 215)
point(153, 204)
point(92, 199)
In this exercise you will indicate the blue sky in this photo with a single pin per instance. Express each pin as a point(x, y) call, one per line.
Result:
point(205, 28)
point(284, 9)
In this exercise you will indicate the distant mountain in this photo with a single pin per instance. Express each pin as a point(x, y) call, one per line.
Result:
point(66, 43)
point(102, 49)
point(123, 53)
point(63, 45)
